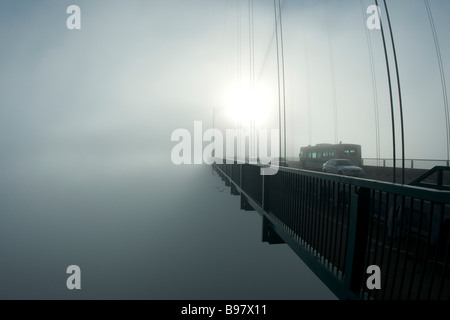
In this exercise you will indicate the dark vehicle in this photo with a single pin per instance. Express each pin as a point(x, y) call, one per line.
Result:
point(342, 166)
point(313, 157)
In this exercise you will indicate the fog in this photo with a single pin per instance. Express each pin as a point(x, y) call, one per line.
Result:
point(86, 118)
point(165, 233)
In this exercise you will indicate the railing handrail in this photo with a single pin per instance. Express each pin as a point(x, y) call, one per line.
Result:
point(400, 189)
point(406, 159)
point(439, 170)
point(340, 228)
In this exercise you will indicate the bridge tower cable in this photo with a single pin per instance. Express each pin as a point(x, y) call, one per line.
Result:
point(442, 74)
point(374, 83)
point(239, 71)
point(266, 56)
point(308, 90)
point(391, 102)
point(239, 40)
point(308, 78)
point(333, 75)
point(284, 78)
point(251, 36)
point(278, 70)
point(274, 38)
point(399, 90)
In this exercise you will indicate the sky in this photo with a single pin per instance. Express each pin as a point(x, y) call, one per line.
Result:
point(324, 46)
point(86, 116)
point(141, 70)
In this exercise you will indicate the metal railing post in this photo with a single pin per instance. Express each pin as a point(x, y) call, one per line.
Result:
point(240, 176)
point(357, 240)
point(263, 193)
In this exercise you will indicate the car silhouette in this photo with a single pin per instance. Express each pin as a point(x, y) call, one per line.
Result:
point(342, 166)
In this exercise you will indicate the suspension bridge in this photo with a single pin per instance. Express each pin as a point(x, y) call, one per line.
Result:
point(396, 217)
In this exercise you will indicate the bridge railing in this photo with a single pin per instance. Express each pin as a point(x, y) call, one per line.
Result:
point(409, 163)
point(437, 183)
point(341, 225)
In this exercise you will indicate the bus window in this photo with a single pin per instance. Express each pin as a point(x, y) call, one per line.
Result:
point(350, 151)
point(328, 154)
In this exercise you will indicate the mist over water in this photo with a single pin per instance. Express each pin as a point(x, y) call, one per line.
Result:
point(168, 232)
point(86, 118)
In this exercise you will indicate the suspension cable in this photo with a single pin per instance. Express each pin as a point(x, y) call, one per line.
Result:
point(278, 70)
point(333, 75)
point(374, 84)
point(251, 42)
point(308, 89)
point(399, 91)
point(443, 82)
point(390, 95)
point(283, 77)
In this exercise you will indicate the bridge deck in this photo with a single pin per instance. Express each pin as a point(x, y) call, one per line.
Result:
point(340, 225)
point(385, 173)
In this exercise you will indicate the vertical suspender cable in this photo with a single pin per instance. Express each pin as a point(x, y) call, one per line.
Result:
point(252, 76)
point(239, 67)
point(390, 96)
point(284, 79)
point(399, 91)
point(333, 77)
point(238, 36)
point(250, 73)
point(308, 91)
point(278, 69)
point(374, 85)
point(308, 84)
point(443, 82)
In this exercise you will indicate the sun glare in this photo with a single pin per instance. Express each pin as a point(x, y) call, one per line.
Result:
point(248, 104)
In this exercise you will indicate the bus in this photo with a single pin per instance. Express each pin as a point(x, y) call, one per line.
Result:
point(313, 157)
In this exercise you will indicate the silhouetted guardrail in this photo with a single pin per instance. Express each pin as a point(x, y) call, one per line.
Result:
point(341, 225)
point(409, 163)
point(437, 183)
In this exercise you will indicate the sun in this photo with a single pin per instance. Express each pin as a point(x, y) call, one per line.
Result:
point(248, 103)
